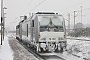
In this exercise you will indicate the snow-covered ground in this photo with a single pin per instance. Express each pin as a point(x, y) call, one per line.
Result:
point(14, 51)
point(80, 48)
point(5, 51)
point(86, 38)
point(0, 39)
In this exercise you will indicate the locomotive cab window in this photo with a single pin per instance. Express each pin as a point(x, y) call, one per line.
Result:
point(54, 23)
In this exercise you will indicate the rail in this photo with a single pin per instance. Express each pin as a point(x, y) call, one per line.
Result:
point(78, 39)
point(42, 57)
point(35, 54)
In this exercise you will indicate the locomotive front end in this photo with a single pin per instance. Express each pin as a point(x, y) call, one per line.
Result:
point(52, 36)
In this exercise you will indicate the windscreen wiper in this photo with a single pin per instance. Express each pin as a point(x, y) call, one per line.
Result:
point(51, 24)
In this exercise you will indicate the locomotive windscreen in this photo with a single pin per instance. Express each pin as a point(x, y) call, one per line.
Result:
point(52, 22)
point(55, 20)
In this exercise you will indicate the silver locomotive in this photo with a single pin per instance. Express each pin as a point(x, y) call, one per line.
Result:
point(43, 31)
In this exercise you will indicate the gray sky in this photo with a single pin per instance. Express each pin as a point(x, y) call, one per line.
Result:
point(16, 8)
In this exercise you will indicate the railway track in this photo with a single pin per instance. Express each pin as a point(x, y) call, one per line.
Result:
point(48, 55)
point(42, 55)
point(35, 54)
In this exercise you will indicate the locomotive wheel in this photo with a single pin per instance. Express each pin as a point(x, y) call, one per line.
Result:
point(61, 50)
point(47, 50)
point(56, 50)
point(41, 49)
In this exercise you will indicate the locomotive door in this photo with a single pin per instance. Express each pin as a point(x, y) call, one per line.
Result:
point(33, 31)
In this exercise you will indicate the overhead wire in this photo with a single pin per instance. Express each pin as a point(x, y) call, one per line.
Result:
point(45, 0)
point(30, 10)
point(86, 15)
point(75, 5)
point(86, 9)
point(79, 11)
point(37, 5)
point(27, 6)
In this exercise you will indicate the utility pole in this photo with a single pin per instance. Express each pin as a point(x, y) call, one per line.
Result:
point(74, 20)
point(1, 20)
point(68, 22)
point(81, 14)
point(4, 21)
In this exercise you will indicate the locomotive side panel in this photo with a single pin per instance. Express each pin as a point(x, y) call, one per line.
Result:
point(36, 29)
point(24, 31)
point(17, 31)
point(29, 31)
point(20, 31)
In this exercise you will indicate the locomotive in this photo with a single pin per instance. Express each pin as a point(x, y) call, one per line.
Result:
point(43, 31)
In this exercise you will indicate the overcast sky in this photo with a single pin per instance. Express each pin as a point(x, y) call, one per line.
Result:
point(17, 8)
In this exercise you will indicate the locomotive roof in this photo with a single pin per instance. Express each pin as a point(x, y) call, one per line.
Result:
point(46, 13)
point(42, 14)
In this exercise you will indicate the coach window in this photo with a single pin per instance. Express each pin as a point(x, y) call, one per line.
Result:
point(32, 23)
point(27, 30)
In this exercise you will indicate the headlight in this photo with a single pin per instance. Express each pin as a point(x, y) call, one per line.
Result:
point(43, 38)
point(60, 39)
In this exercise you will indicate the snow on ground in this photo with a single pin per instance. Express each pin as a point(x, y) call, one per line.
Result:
point(86, 38)
point(0, 39)
point(5, 51)
point(80, 48)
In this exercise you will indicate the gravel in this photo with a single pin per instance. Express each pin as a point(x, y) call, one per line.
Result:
point(20, 53)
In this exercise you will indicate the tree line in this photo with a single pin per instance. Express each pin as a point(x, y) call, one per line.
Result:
point(78, 32)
